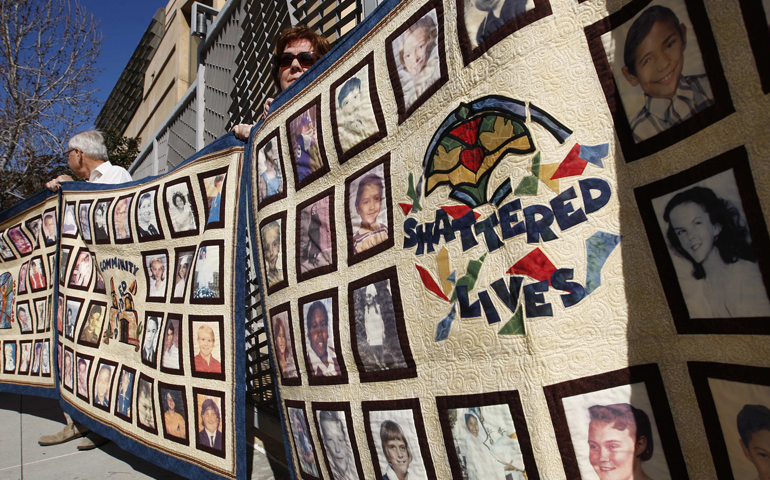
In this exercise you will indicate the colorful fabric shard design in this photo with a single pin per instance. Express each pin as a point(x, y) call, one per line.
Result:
point(459, 211)
point(599, 247)
point(406, 208)
point(471, 275)
point(528, 185)
point(534, 265)
point(430, 284)
point(443, 327)
point(514, 326)
point(572, 165)
point(412, 193)
point(594, 153)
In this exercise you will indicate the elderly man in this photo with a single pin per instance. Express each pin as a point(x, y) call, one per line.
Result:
point(87, 158)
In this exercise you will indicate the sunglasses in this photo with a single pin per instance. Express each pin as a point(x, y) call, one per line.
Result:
point(305, 59)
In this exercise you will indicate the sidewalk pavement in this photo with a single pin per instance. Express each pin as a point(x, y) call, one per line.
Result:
point(22, 458)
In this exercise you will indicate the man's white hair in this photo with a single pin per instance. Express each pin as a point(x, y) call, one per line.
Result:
point(90, 142)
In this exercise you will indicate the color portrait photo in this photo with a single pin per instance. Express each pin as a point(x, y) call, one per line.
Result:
point(270, 173)
point(283, 339)
point(120, 220)
point(207, 348)
point(207, 277)
point(156, 267)
point(6, 300)
point(273, 251)
point(184, 261)
point(5, 250)
point(24, 317)
point(303, 443)
point(658, 68)
point(70, 226)
point(19, 240)
point(305, 144)
point(368, 210)
point(615, 430)
point(486, 444)
point(417, 55)
point(319, 329)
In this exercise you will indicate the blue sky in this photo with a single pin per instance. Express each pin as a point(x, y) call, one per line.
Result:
point(122, 25)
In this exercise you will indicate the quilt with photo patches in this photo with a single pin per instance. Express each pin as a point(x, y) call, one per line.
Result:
point(510, 239)
point(140, 329)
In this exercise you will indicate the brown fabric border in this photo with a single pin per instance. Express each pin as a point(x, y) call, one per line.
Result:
point(759, 38)
point(321, 149)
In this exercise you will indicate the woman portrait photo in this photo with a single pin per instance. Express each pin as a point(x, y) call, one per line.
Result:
point(416, 55)
point(81, 272)
point(302, 442)
point(614, 434)
point(368, 207)
point(85, 223)
point(272, 247)
point(319, 339)
point(207, 273)
point(146, 218)
point(170, 354)
point(183, 265)
point(353, 110)
point(180, 209)
point(315, 236)
point(70, 226)
point(486, 438)
point(284, 349)
point(157, 265)
point(207, 349)
point(711, 248)
point(397, 446)
point(304, 143)
point(269, 170)
point(174, 423)
point(336, 441)
point(377, 338)
point(120, 219)
point(101, 232)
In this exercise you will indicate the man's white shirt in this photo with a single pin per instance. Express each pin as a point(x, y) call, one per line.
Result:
point(108, 173)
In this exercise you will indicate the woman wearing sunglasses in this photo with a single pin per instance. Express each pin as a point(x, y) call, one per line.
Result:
point(296, 50)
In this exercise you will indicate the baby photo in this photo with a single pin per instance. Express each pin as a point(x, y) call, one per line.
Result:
point(660, 76)
point(272, 251)
point(270, 172)
point(315, 245)
point(305, 143)
point(181, 210)
point(417, 56)
point(284, 345)
point(486, 438)
point(710, 246)
point(120, 220)
point(396, 443)
point(85, 223)
point(147, 216)
point(303, 442)
point(353, 111)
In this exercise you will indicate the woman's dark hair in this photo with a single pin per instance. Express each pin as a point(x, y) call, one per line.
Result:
point(178, 195)
point(298, 32)
point(732, 242)
point(622, 416)
point(175, 396)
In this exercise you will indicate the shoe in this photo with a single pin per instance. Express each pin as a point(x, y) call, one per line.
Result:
point(70, 431)
point(93, 440)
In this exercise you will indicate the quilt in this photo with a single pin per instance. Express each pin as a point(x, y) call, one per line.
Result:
point(128, 305)
point(522, 239)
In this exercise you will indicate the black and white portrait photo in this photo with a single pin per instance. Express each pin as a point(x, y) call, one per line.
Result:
point(272, 232)
point(9, 357)
point(377, 327)
point(64, 263)
point(145, 407)
point(41, 309)
point(125, 396)
point(5, 250)
point(181, 210)
point(395, 443)
point(70, 321)
point(368, 213)
point(35, 228)
point(147, 226)
point(84, 209)
point(50, 227)
point(700, 220)
point(24, 317)
point(214, 194)
point(337, 442)
point(150, 341)
point(101, 231)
